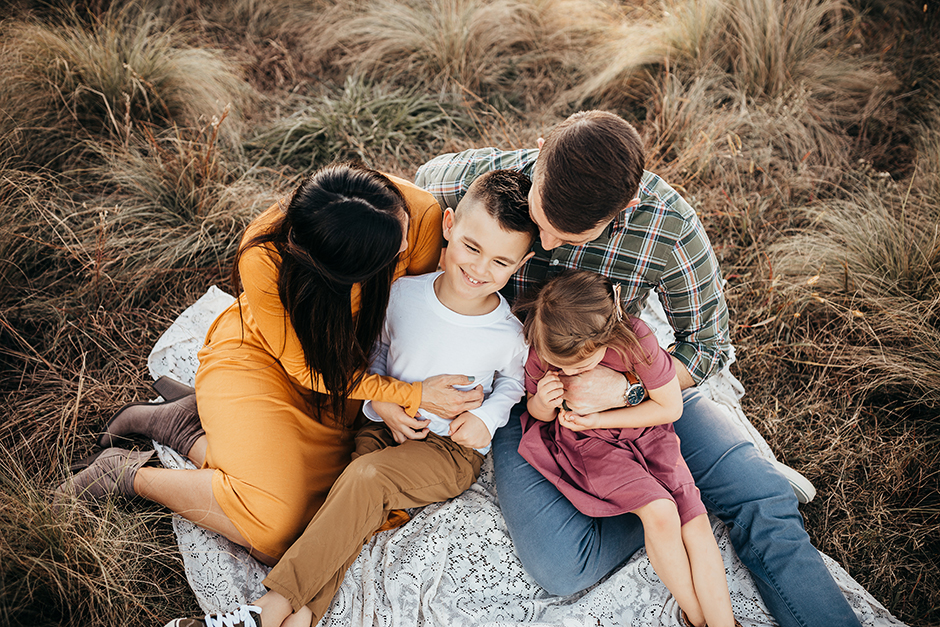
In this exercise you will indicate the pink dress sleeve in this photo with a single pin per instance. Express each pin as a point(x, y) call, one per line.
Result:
point(661, 369)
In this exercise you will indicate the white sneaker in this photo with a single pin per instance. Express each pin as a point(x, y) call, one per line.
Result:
point(804, 490)
point(241, 617)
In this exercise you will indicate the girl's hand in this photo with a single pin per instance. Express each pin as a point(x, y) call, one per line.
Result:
point(547, 399)
point(551, 391)
point(577, 422)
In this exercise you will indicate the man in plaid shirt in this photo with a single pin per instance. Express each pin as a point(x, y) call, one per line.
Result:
point(598, 209)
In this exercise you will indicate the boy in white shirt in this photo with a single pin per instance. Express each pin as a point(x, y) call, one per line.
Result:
point(449, 322)
point(455, 321)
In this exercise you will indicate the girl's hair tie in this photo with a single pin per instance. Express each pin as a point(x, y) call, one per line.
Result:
point(617, 303)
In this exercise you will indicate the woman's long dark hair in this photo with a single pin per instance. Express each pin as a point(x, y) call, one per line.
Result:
point(343, 226)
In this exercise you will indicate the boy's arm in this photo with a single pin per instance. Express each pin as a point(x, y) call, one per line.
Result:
point(663, 406)
point(378, 364)
point(402, 426)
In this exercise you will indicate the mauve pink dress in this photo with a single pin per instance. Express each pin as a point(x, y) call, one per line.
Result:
point(606, 472)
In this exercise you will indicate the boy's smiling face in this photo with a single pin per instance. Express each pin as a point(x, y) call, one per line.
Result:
point(480, 258)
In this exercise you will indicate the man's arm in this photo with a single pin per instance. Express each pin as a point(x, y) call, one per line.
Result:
point(448, 176)
point(693, 299)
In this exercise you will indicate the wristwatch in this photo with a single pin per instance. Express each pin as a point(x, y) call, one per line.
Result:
point(635, 392)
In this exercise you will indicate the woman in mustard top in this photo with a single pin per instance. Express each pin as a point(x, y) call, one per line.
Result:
point(282, 375)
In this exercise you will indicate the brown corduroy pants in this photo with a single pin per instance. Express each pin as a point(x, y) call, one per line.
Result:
point(382, 477)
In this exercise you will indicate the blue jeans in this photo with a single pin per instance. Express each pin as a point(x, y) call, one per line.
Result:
point(566, 551)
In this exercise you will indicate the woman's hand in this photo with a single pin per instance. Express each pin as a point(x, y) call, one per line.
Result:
point(439, 396)
point(402, 426)
point(595, 390)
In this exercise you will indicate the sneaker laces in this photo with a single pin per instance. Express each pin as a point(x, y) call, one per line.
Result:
point(240, 617)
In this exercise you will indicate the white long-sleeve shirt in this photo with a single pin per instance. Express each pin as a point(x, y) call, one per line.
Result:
point(422, 338)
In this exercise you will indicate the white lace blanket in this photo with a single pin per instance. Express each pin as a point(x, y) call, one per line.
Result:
point(453, 565)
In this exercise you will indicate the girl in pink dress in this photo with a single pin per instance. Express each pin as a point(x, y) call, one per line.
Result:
point(625, 459)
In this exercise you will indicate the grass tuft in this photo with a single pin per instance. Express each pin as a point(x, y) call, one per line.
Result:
point(67, 81)
point(177, 203)
point(373, 123)
point(483, 46)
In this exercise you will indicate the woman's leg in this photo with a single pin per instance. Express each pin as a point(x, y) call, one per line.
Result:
point(197, 454)
point(664, 546)
point(708, 572)
point(189, 494)
point(275, 459)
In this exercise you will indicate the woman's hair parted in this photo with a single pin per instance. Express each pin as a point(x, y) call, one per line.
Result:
point(573, 315)
point(343, 226)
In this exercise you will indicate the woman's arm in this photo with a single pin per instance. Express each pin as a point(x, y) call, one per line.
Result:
point(663, 406)
point(258, 268)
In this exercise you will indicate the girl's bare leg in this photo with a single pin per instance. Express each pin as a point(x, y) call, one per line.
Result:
point(708, 572)
point(189, 494)
point(664, 546)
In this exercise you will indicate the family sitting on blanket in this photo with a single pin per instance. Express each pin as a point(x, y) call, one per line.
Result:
point(282, 369)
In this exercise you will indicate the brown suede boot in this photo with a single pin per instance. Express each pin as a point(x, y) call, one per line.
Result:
point(111, 471)
point(173, 423)
point(170, 389)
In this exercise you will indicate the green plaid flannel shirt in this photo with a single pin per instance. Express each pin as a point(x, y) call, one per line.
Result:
point(658, 244)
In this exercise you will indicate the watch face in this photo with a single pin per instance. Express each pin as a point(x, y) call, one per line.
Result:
point(635, 394)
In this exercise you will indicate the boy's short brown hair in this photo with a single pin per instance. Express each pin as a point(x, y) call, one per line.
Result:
point(505, 195)
point(588, 170)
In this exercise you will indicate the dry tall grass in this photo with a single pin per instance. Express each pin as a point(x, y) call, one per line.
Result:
point(782, 70)
point(759, 111)
point(365, 121)
point(66, 565)
point(517, 51)
point(69, 81)
point(175, 203)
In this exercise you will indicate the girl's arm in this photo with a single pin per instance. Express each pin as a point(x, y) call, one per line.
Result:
point(663, 406)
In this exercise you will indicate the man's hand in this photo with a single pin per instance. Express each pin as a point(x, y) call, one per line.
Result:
point(682, 373)
point(468, 430)
point(577, 422)
point(439, 396)
point(402, 426)
point(595, 390)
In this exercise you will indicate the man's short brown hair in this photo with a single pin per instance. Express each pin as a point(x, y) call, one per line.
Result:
point(588, 170)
